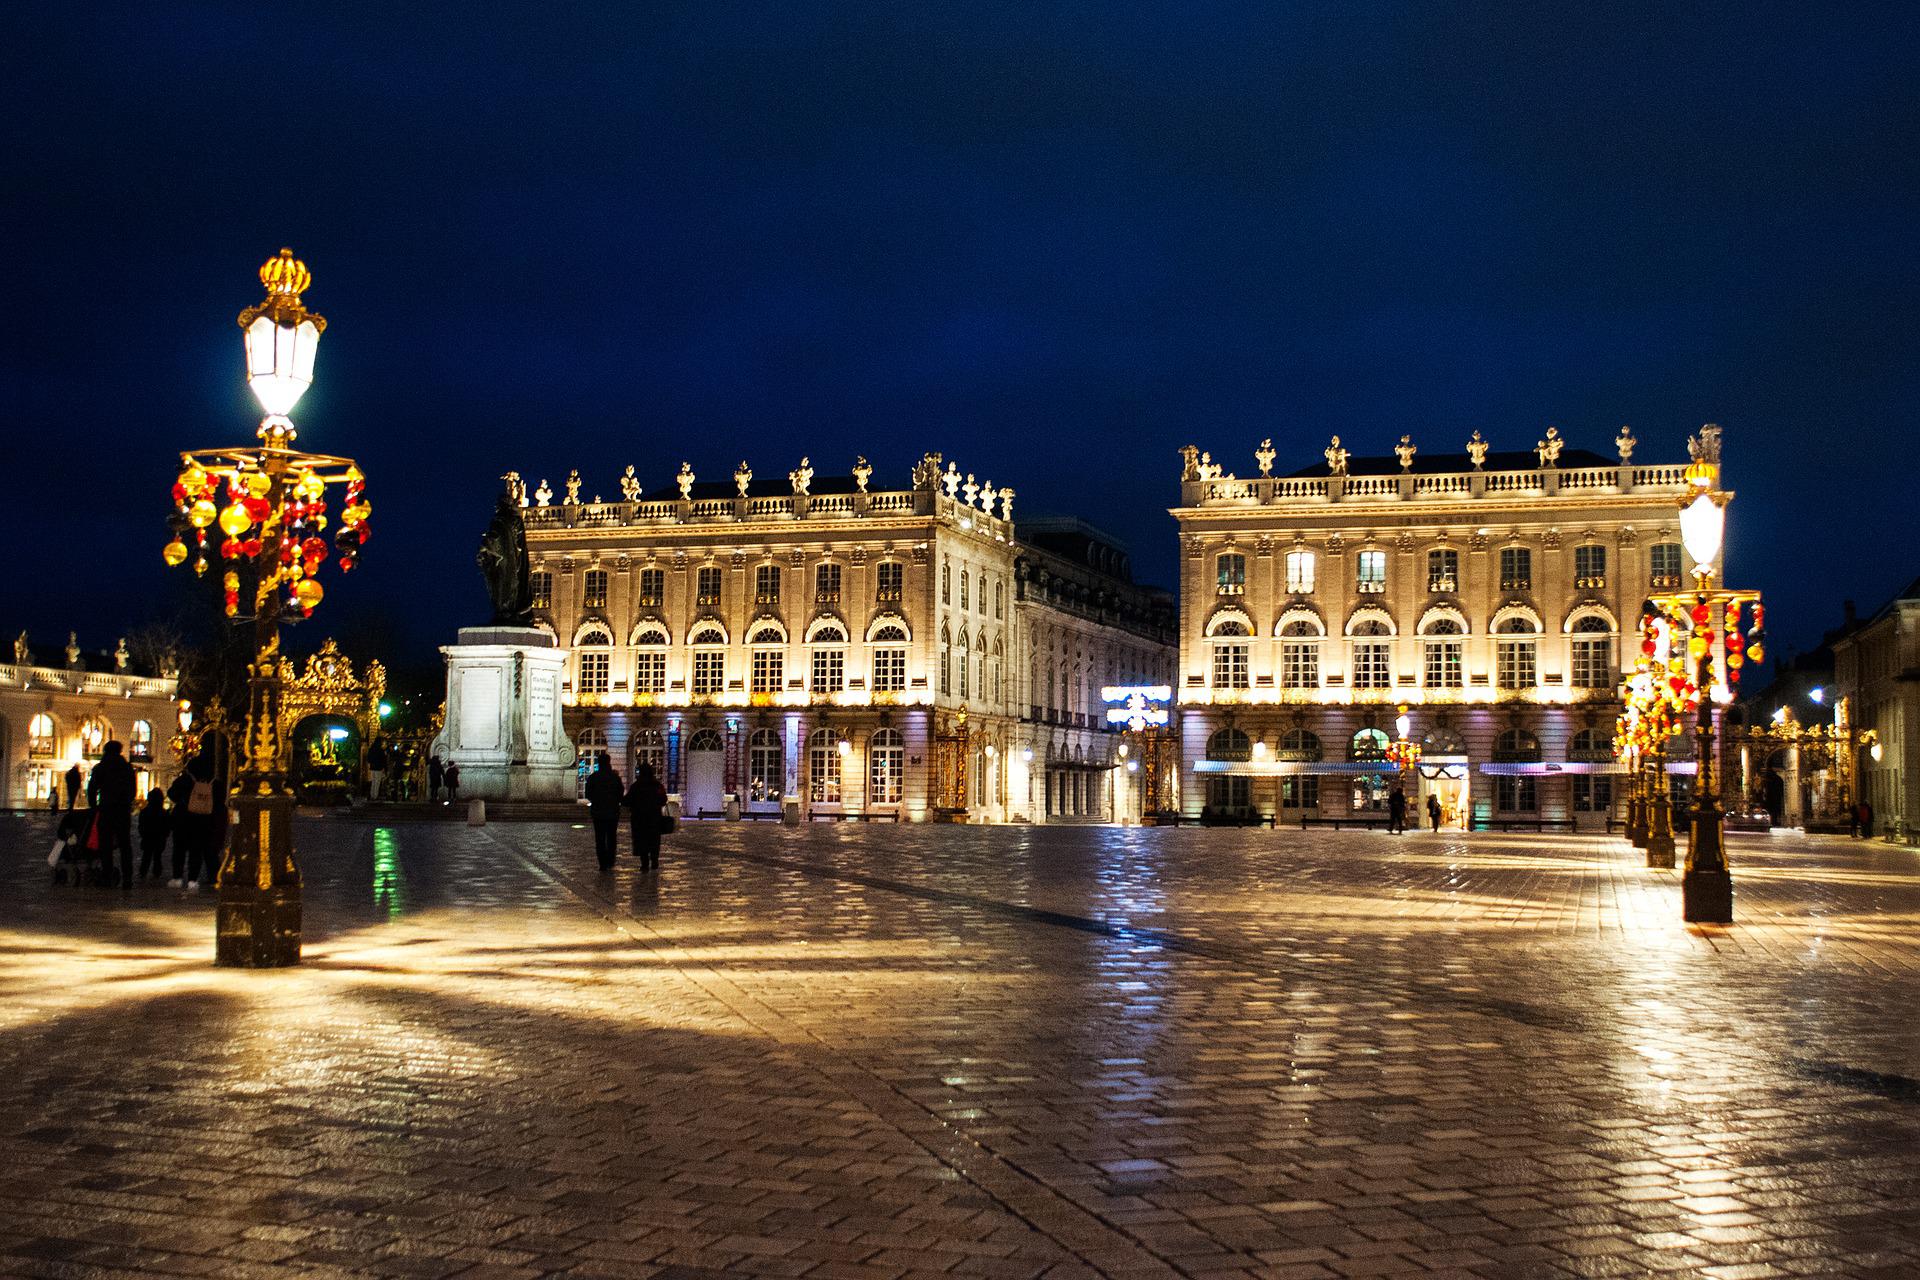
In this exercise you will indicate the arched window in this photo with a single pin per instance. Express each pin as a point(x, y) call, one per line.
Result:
point(593, 654)
point(829, 657)
point(1592, 653)
point(1229, 744)
point(946, 661)
point(966, 597)
point(946, 582)
point(709, 660)
point(1516, 745)
point(768, 659)
point(999, 599)
point(1372, 654)
point(1368, 745)
point(963, 653)
point(650, 749)
point(1228, 633)
point(94, 733)
point(764, 773)
point(1299, 744)
point(1516, 662)
point(1441, 654)
point(889, 643)
point(1590, 745)
point(587, 746)
point(140, 741)
point(650, 661)
point(886, 766)
point(1300, 654)
point(706, 739)
point(823, 767)
point(999, 656)
point(40, 736)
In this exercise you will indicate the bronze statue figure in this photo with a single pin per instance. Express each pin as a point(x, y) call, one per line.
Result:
point(503, 563)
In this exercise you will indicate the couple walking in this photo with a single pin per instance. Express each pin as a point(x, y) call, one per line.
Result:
point(646, 802)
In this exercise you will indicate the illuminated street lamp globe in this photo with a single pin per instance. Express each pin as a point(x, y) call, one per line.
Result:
point(282, 337)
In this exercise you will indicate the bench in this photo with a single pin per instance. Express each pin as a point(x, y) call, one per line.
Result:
point(1525, 824)
point(883, 815)
point(1351, 820)
point(746, 815)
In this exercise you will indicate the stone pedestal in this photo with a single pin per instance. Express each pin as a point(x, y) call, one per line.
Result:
point(503, 716)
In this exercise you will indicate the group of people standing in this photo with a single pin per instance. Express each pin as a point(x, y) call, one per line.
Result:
point(645, 802)
point(1397, 811)
point(191, 815)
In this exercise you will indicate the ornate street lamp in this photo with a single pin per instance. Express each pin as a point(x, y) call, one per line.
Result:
point(272, 523)
point(1707, 886)
point(1402, 751)
point(1654, 695)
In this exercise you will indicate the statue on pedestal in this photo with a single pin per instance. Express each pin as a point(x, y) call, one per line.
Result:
point(504, 565)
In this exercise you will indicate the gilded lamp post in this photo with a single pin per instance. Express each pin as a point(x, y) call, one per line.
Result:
point(268, 502)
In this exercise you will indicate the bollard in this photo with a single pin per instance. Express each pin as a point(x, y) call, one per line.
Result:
point(476, 813)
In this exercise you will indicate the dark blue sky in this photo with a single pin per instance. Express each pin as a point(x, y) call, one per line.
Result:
point(1053, 241)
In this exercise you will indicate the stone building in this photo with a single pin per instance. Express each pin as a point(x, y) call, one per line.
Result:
point(1082, 626)
point(59, 710)
point(1876, 673)
point(1485, 592)
point(812, 641)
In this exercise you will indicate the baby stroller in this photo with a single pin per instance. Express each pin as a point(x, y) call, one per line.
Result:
point(76, 848)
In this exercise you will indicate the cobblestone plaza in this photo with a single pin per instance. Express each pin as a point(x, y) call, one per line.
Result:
point(880, 1052)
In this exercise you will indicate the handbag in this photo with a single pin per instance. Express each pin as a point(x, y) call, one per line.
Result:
point(201, 800)
point(668, 824)
point(93, 834)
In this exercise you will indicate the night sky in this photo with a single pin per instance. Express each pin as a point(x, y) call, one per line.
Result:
point(1054, 242)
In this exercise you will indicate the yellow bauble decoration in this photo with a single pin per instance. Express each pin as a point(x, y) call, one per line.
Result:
point(311, 487)
point(202, 513)
point(258, 484)
point(174, 553)
point(308, 592)
point(235, 521)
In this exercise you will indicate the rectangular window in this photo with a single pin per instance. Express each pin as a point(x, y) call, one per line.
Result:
point(595, 667)
point(1300, 572)
point(889, 670)
point(1300, 793)
point(1443, 664)
point(707, 585)
point(766, 584)
point(829, 670)
point(653, 588)
point(826, 584)
point(769, 670)
point(966, 600)
point(1664, 563)
point(1592, 794)
point(1300, 664)
point(888, 577)
point(1230, 572)
point(1516, 569)
point(650, 672)
point(1372, 666)
point(1593, 664)
point(1515, 795)
point(542, 589)
point(709, 671)
point(1590, 566)
point(1517, 668)
point(1230, 666)
point(1443, 571)
point(1370, 572)
point(999, 598)
point(964, 666)
point(593, 590)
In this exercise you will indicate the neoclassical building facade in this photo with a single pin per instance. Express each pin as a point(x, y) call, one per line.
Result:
point(1492, 595)
point(810, 642)
point(59, 709)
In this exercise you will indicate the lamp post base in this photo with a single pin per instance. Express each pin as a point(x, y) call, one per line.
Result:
point(1706, 897)
point(1659, 850)
point(258, 918)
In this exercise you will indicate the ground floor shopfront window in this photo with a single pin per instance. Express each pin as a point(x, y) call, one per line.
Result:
point(1593, 795)
point(1300, 793)
point(1516, 795)
point(1370, 792)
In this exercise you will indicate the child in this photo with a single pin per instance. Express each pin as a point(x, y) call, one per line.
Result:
point(155, 824)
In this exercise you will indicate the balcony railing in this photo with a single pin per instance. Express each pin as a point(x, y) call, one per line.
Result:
point(1232, 588)
point(1444, 487)
point(1664, 581)
point(1516, 584)
point(887, 595)
point(1370, 587)
point(1591, 582)
point(1442, 583)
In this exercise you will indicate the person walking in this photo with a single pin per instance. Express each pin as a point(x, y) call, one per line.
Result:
point(436, 775)
point(110, 792)
point(604, 794)
point(205, 824)
point(1396, 810)
point(453, 783)
point(376, 769)
point(155, 823)
point(646, 799)
point(73, 785)
point(1433, 810)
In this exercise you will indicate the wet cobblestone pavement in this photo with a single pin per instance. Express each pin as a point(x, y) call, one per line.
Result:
point(971, 1052)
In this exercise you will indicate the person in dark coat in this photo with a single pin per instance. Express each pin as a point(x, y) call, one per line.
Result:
point(453, 783)
point(205, 830)
point(1433, 810)
point(1396, 810)
point(436, 775)
point(110, 792)
point(604, 793)
point(155, 823)
point(376, 769)
point(646, 799)
point(73, 785)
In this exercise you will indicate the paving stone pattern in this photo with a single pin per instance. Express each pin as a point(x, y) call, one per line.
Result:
point(998, 1052)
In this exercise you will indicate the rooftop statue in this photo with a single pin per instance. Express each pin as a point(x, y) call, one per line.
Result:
point(22, 654)
point(1477, 451)
point(1336, 458)
point(504, 565)
point(685, 480)
point(1265, 455)
point(1549, 449)
point(862, 472)
point(742, 477)
point(1625, 442)
point(630, 486)
point(1406, 449)
point(1189, 462)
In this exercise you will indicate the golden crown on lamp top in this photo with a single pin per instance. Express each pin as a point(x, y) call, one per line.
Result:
point(1701, 474)
point(285, 275)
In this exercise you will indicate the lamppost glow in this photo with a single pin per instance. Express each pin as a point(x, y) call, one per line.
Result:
point(275, 514)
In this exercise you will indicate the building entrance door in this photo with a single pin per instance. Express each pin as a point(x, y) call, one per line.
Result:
point(1451, 791)
point(706, 774)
